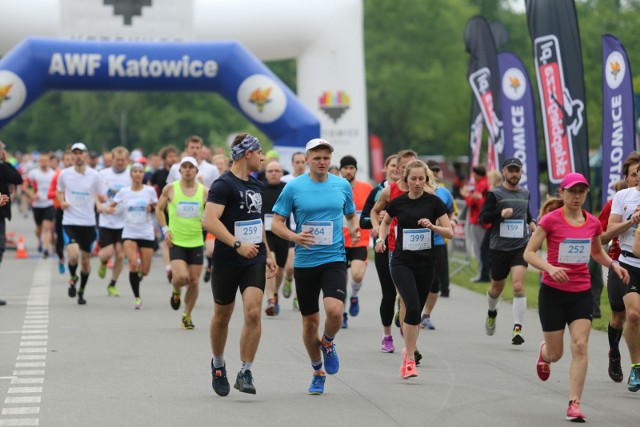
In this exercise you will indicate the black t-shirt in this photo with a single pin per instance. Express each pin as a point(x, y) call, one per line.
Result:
point(159, 179)
point(243, 202)
point(408, 212)
point(271, 194)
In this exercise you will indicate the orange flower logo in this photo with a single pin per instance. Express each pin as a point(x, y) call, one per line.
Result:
point(615, 69)
point(514, 82)
point(260, 97)
point(4, 92)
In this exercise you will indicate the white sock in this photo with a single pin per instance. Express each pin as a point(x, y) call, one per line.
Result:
point(493, 302)
point(355, 288)
point(519, 308)
point(218, 361)
point(246, 366)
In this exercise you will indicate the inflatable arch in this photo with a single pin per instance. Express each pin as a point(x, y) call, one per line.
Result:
point(199, 45)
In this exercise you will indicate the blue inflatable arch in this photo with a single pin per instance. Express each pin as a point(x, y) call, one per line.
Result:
point(226, 67)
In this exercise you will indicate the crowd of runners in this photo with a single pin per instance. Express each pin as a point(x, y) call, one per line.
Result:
point(251, 225)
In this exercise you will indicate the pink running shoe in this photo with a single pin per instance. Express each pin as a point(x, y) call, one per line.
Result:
point(403, 367)
point(387, 344)
point(410, 370)
point(543, 368)
point(573, 412)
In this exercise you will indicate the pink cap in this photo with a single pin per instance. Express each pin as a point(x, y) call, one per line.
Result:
point(572, 179)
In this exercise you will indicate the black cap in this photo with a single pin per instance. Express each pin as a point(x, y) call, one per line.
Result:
point(348, 161)
point(433, 165)
point(512, 161)
point(480, 170)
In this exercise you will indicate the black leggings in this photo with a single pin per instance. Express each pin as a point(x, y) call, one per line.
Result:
point(388, 288)
point(413, 283)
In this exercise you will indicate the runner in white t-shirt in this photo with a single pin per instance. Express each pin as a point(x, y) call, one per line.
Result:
point(138, 202)
point(37, 186)
point(110, 227)
point(78, 188)
point(207, 173)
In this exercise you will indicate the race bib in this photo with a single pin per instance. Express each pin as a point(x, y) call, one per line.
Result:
point(321, 230)
point(416, 239)
point(629, 236)
point(512, 228)
point(268, 219)
point(248, 231)
point(78, 198)
point(574, 251)
point(188, 209)
point(136, 214)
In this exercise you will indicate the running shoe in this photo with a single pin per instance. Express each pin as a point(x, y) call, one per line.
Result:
point(219, 380)
point(244, 382)
point(615, 369)
point(72, 286)
point(517, 338)
point(490, 323)
point(277, 306)
point(396, 312)
point(574, 414)
point(345, 320)
point(81, 300)
point(286, 288)
point(425, 323)
point(410, 370)
point(137, 303)
point(387, 344)
point(633, 383)
point(207, 274)
point(543, 368)
point(296, 306)
point(45, 254)
point(113, 291)
point(271, 307)
point(317, 383)
point(331, 360)
point(354, 307)
point(186, 321)
point(417, 356)
point(61, 268)
point(175, 300)
point(39, 246)
point(102, 270)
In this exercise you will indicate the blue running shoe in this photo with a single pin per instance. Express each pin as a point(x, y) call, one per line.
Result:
point(354, 307)
point(331, 360)
point(345, 321)
point(61, 267)
point(317, 384)
point(633, 383)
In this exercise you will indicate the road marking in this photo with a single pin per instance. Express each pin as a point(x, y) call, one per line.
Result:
point(31, 354)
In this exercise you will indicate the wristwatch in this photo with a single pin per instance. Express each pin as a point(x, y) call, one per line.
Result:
point(237, 244)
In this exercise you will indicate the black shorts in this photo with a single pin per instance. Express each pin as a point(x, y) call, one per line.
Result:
point(329, 278)
point(617, 290)
point(359, 253)
point(83, 235)
point(502, 261)
point(109, 236)
point(142, 243)
point(559, 308)
point(225, 281)
point(44, 214)
point(280, 247)
point(440, 263)
point(192, 256)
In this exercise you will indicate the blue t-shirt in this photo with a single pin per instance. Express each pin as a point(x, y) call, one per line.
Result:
point(325, 202)
point(447, 199)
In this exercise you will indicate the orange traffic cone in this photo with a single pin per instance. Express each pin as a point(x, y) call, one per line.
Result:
point(21, 251)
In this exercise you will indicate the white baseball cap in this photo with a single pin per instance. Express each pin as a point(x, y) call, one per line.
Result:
point(189, 159)
point(79, 146)
point(318, 142)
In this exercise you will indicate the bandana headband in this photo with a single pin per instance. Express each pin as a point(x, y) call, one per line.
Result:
point(249, 143)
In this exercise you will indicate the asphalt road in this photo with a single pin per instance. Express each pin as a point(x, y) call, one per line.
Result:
point(105, 364)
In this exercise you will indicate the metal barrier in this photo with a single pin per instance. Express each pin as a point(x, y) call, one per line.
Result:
point(459, 247)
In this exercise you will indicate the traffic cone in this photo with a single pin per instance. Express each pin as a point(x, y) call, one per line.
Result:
point(21, 251)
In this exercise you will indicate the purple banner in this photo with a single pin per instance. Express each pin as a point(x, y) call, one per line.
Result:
point(519, 123)
point(618, 115)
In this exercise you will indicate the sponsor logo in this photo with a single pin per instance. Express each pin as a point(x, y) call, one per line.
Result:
point(13, 94)
point(334, 104)
point(127, 8)
point(480, 84)
point(261, 98)
point(514, 84)
point(563, 116)
point(616, 69)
